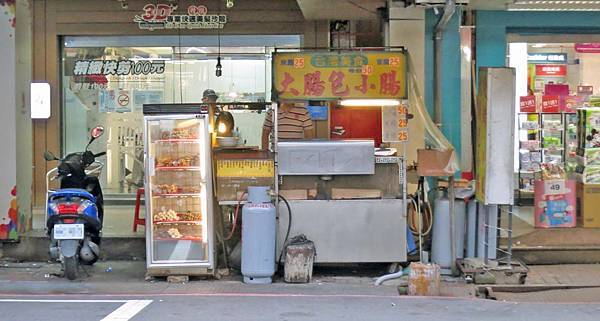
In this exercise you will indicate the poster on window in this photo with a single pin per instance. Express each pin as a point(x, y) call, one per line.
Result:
point(119, 101)
point(143, 97)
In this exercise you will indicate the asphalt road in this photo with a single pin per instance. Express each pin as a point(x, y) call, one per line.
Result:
point(290, 307)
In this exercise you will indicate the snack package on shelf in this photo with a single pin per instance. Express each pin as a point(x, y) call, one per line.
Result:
point(588, 157)
point(536, 157)
point(530, 145)
point(588, 174)
point(553, 125)
point(530, 125)
point(552, 171)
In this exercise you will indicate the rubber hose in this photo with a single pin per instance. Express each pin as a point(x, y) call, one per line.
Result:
point(388, 277)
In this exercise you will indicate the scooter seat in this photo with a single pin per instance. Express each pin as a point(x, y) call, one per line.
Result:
point(72, 192)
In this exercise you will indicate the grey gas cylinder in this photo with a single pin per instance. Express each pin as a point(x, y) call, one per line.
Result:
point(258, 236)
point(441, 252)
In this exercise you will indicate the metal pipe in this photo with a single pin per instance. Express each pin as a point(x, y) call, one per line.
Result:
point(440, 27)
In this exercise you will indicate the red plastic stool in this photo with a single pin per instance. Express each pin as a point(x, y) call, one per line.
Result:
point(137, 220)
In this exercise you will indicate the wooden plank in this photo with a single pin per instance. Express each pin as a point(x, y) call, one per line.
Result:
point(39, 164)
point(247, 16)
point(294, 194)
point(53, 132)
point(354, 193)
point(39, 127)
point(136, 6)
point(126, 29)
point(39, 36)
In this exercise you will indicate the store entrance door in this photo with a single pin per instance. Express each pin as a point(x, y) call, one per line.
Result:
point(357, 123)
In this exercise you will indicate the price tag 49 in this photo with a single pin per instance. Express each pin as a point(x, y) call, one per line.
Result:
point(554, 187)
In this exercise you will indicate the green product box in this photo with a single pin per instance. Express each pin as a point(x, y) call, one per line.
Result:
point(589, 127)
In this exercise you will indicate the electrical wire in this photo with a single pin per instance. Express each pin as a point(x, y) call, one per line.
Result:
point(235, 218)
point(289, 227)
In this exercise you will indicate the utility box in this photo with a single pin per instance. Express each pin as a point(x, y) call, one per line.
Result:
point(299, 260)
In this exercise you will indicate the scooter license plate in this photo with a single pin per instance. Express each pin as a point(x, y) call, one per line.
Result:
point(68, 231)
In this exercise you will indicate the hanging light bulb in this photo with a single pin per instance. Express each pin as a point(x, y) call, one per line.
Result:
point(219, 70)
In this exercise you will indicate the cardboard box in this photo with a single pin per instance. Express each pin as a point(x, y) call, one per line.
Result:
point(589, 200)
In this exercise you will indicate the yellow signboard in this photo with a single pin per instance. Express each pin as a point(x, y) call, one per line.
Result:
point(245, 168)
point(335, 75)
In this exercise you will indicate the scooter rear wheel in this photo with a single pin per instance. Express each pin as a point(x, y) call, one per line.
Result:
point(70, 266)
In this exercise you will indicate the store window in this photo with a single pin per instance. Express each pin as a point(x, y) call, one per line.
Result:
point(107, 80)
point(553, 80)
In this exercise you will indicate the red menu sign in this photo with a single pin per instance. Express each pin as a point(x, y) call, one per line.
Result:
point(550, 104)
point(587, 47)
point(551, 70)
point(527, 104)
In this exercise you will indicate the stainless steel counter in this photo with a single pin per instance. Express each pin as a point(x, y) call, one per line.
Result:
point(348, 231)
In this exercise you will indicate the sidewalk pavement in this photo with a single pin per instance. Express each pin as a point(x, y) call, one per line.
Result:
point(128, 278)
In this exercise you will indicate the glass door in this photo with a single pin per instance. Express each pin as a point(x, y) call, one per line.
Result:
point(177, 190)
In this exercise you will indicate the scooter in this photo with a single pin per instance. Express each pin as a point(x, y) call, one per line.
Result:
point(75, 211)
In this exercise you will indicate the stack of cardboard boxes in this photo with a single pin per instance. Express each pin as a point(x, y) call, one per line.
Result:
point(588, 165)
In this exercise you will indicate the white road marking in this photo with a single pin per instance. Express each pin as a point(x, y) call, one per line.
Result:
point(127, 310)
point(65, 301)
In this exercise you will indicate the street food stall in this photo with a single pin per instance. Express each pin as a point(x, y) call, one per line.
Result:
point(341, 190)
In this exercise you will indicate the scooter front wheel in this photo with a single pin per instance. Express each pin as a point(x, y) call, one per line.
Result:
point(70, 266)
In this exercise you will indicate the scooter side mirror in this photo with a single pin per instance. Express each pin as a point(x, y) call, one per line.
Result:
point(49, 156)
point(97, 132)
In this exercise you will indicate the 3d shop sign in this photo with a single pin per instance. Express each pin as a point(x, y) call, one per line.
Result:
point(118, 68)
point(161, 16)
point(547, 57)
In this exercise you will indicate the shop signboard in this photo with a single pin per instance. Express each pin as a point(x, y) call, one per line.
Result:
point(560, 58)
point(335, 75)
point(164, 16)
point(550, 104)
point(551, 70)
point(527, 104)
point(587, 47)
point(394, 123)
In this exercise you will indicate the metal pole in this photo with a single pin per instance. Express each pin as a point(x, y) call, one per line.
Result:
point(404, 203)
point(509, 247)
point(453, 229)
point(486, 222)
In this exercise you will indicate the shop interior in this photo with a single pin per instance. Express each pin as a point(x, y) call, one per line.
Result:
point(553, 80)
point(115, 102)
